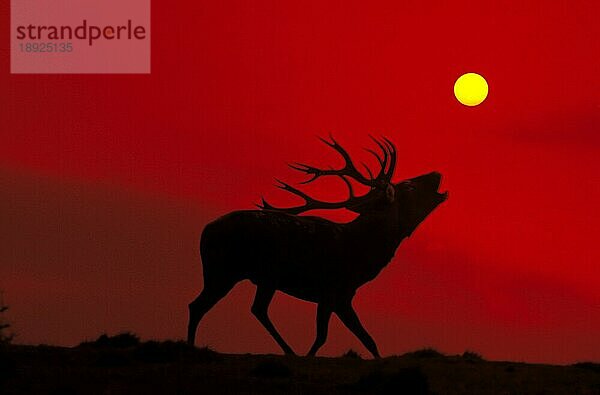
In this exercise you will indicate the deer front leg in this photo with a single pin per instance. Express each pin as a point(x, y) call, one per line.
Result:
point(260, 309)
point(323, 316)
point(349, 318)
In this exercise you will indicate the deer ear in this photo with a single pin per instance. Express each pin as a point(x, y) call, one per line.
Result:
point(390, 193)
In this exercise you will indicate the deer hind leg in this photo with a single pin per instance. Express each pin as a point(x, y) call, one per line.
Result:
point(209, 296)
point(349, 318)
point(323, 316)
point(260, 309)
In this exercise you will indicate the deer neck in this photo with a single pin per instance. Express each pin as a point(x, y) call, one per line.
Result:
point(375, 237)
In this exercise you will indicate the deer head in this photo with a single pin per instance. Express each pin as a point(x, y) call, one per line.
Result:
point(416, 198)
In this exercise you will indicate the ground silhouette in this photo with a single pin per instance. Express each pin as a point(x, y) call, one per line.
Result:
point(123, 364)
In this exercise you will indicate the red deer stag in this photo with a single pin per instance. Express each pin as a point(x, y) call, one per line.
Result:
point(312, 258)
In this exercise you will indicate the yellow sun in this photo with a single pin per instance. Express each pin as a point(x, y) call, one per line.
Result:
point(471, 89)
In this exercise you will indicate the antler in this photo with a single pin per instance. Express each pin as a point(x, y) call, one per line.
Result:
point(387, 163)
point(349, 168)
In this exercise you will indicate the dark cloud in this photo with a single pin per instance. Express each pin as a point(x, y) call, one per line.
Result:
point(78, 259)
point(569, 130)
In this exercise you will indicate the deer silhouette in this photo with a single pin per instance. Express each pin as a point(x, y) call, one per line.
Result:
point(310, 257)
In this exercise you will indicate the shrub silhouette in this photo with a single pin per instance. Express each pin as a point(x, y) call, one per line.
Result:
point(425, 353)
point(351, 354)
point(472, 356)
point(171, 351)
point(122, 340)
point(5, 337)
point(126, 349)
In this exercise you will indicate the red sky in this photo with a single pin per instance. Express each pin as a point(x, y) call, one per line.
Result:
point(106, 181)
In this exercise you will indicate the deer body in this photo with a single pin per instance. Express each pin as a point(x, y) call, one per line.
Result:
point(310, 257)
point(316, 251)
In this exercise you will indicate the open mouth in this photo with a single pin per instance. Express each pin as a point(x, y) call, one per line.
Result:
point(442, 195)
